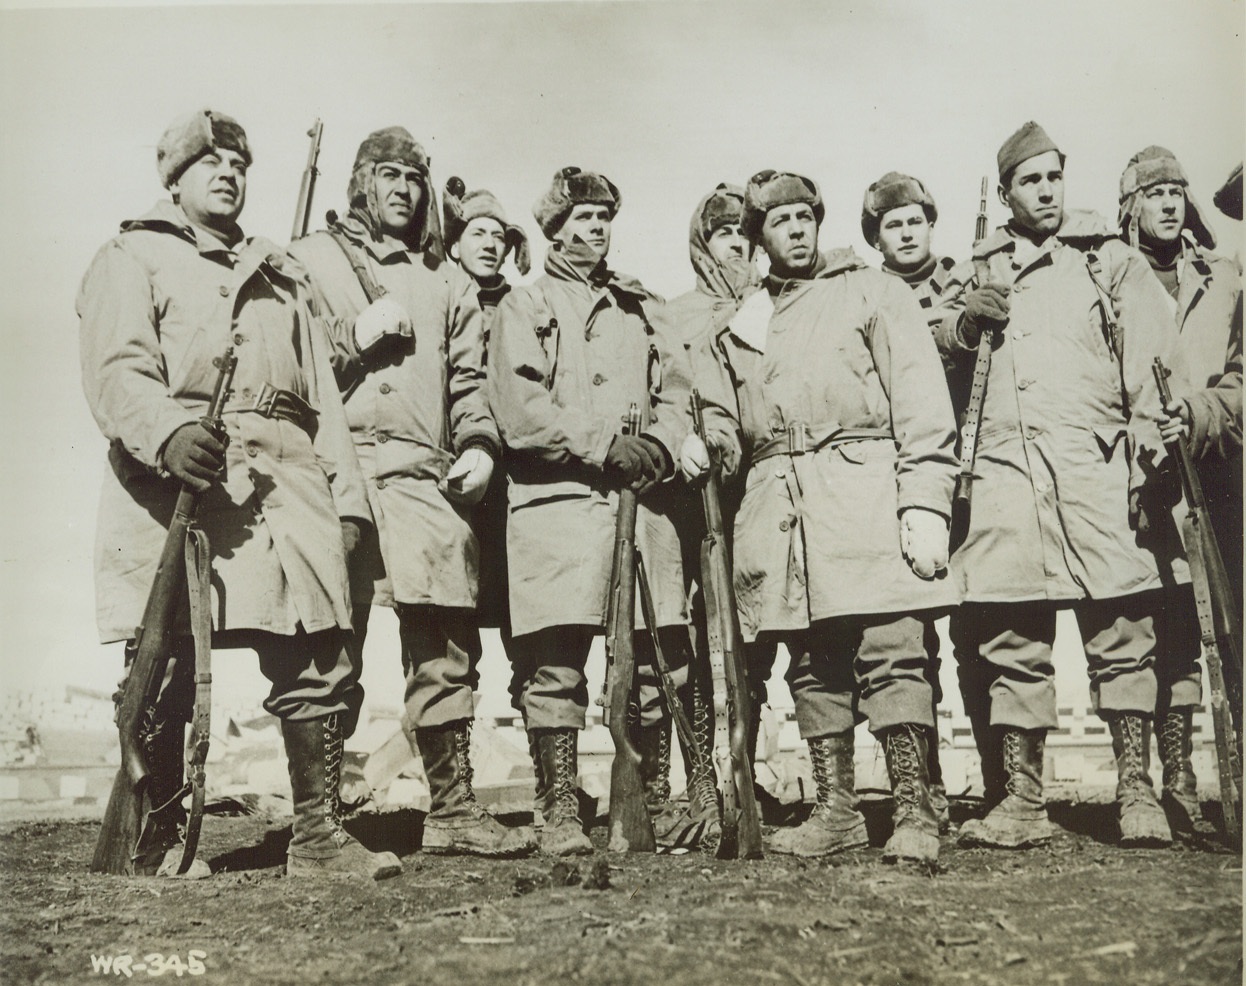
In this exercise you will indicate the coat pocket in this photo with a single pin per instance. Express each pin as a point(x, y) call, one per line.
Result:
point(1108, 437)
point(521, 495)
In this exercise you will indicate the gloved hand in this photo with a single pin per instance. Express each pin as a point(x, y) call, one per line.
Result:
point(923, 540)
point(694, 458)
point(351, 535)
point(635, 463)
point(1175, 421)
point(381, 319)
point(985, 308)
point(466, 481)
point(195, 456)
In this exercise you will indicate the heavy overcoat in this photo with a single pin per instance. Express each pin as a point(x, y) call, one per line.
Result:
point(159, 303)
point(568, 355)
point(1069, 419)
point(846, 358)
point(411, 413)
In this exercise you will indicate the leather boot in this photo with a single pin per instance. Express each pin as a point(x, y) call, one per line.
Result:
point(1142, 820)
point(538, 776)
point(563, 833)
point(319, 846)
point(694, 821)
point(458, 823)
point(654, 745)
point(934, 770)
point(834, 825)
point(165, 749)
point(1175, 732)
point(1020, 819)
point(916, 833)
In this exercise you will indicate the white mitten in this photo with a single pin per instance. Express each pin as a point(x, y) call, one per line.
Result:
point(468, 478)
point(923, 540)
point(384, 317)
point(694, 458)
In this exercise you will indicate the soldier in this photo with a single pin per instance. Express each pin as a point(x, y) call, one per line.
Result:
point(1071, 407)
point(1159, 216)
point(567, 358)
point(408, 352)
point(726, 275)
point(829, 381)
point(279, 498)
point(897, 219)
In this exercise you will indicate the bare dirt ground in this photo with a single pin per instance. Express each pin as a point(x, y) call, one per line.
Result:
point(1078, 911)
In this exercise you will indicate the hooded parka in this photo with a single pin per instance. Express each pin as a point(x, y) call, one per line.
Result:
point(845, 358)
point(1068, 424)
point(410, 415)
point(159, 303)
point(568, 355)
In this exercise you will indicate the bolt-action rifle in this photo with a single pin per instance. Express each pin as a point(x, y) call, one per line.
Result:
point(307, 189)
point(631, 829)
point(1218, 622)
point(962, 494)
point(741, 825)
point(136, 833)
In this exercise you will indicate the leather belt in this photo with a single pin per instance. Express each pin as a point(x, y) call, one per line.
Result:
point(273, 402)
point(800, 439)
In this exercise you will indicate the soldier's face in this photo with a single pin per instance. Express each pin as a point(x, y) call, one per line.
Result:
point(728, 245)
point(213, 190)
point(482, 247)
point(589, 224)
point(1163, 213)
point(904, 237)
point(1035, 193)
point(790, 237)
point(398, 194)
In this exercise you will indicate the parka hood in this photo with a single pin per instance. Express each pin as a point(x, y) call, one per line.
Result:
point(714, 278)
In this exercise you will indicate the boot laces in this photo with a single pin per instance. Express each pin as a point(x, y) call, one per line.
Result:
point(902, 752)
point(702, 787)
point(1174, 752)
point(333, 745)
point(565, 802)
point(462, 752)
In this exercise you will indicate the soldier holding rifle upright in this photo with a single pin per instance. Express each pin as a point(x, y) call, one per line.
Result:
point(1067, 461)
point(829, 382)
point(567, 357)
point(278, 498)
point(409, 354)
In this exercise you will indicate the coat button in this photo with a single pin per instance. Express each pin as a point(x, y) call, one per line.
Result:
point(1023, 384)
point(252, 449)
point(380, 484)
point(246, 393)
point(598, 379)
point(784, 525)
point(382, 438)
point(239, 339)
point(224, 291)
point(780, 474)
point(385, 388)
point(1040, 486)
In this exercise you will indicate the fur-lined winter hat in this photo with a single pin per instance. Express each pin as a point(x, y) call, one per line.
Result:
point(769, 189)
point(1156, 165)
point(723, 207)
point(571, 187)
point(190, 137)
point(1228, 198)
point(460, 207)
point(1029, 141)
point(397, 145)
point(892, 191)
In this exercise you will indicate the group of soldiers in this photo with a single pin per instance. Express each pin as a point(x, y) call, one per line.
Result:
point(407, 429)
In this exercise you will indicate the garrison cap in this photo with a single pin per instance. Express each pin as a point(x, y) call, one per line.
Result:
point(570, 187)
point(724, 207)
point(1029, 141)
point(190, 137)
point(460, 207)
point(769, 189)
point(892, 191)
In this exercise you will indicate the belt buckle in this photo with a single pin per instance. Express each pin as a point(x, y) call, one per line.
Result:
point(796, 438)
point(266, 400)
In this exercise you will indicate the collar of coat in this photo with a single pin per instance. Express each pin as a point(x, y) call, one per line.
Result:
point(832, 263)
point(601, 277)
point(250, 255)
point(384, 251)
point(1081, 228)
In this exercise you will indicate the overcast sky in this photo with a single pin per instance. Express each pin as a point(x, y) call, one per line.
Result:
point(666, 99)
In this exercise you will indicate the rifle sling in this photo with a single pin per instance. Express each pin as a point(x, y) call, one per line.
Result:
point(354, 256)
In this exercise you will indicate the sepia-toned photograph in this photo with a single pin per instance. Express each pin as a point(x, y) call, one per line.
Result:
point(676, 493)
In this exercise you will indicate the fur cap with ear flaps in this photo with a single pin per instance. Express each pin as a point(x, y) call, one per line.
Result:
point(571, 187)
point(892, 191)
point(460, 207)
point(190, 137)
point(770, 189)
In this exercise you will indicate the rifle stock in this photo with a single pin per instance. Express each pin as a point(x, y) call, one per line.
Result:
point(1219, 622)
point(741, 822)
point(132, 839)
point(631, 829)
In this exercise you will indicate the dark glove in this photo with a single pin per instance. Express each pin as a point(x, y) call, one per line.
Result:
point(195, 456)
point(635, 463)
point(350, 536)
point(985, 308)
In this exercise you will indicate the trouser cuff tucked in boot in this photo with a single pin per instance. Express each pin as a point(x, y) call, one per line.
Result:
point(458, 823)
